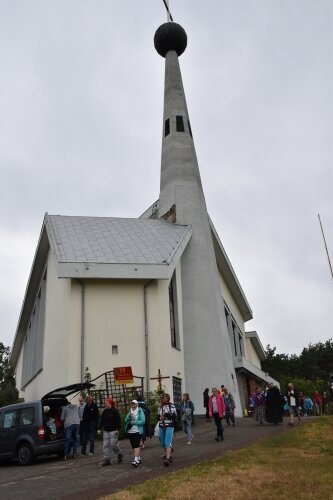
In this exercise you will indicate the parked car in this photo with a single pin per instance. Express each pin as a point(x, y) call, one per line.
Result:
point(24, 433)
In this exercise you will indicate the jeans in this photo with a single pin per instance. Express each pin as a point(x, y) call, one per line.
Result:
point(218, 423)
point(88, 434)
point(71, 433)
point(229, 416)
point(187, 427)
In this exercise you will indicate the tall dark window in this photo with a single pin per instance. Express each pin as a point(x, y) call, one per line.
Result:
point(34, 337)
point(177, 390)
point(173, 309)
point(234, 337)
point(189, 127)
point(167, 127)
point(180, 124)
point(240, 338)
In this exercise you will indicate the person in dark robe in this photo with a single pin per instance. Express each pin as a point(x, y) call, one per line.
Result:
point(274, 405)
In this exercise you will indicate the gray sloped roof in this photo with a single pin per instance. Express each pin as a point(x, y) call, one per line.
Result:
point(102, 248)
point(119, 248)
point(110, 240)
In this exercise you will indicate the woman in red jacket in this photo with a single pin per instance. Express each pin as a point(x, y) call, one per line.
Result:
point(217, 411)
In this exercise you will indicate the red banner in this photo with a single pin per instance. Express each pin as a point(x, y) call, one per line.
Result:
point(123, 375)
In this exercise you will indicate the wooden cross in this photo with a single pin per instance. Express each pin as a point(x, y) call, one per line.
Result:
point(166, 3)
point(159, 378)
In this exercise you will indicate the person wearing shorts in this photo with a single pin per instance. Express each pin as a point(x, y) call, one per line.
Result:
point(292, 399)
point(167, 416)
point(134, 422)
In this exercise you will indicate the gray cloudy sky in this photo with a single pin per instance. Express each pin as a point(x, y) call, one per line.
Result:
point(81, 95)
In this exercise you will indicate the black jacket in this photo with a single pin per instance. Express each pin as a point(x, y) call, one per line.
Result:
point(110, 420)
point(90, 413)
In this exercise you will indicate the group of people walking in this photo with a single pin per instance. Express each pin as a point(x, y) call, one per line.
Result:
point(82, 421)
point(271, 405)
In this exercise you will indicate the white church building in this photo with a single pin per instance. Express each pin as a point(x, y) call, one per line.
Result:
point(157, 293)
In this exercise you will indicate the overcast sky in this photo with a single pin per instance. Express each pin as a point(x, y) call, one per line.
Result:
point(81, 96)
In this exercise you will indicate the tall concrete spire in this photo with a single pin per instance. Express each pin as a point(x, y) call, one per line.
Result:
point(207, 350)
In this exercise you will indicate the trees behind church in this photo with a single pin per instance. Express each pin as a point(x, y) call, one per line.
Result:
point(312, 370)
point(8, 391)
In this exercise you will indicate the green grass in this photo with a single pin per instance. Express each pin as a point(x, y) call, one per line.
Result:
point(297, 463)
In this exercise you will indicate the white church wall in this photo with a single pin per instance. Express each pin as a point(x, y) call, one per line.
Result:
point(74, 341)
point(114, 316)
point(55, 355)
point(234, 309)
point(251, 354)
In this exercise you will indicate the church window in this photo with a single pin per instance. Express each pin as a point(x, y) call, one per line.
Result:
point(114, 349)
point(189, 127)
point(234, 337)
point(173, 309)
point(240, 339)
point(167, 127)
point(180, 124)
point(34, 338)
point(177, 390)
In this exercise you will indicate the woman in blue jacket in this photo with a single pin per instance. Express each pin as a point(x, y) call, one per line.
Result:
point(134, 422)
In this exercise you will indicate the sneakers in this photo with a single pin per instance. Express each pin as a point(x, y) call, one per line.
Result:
point(106, 462)
point(120, 458)
point(91, 454)
point(189, 442)
point(65, 458)
point(167, 462)
point(135, 463)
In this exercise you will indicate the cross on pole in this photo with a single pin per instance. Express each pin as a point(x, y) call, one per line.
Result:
point(159, 378)
point(166, 3)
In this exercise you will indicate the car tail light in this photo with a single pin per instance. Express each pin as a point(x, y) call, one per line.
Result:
point(41, 431)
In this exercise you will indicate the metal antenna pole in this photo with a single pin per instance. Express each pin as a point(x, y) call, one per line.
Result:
point(328, 257)
point(169, 16)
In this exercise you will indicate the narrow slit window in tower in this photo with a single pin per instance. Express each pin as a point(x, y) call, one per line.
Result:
point(189, 128)
point(180, 124)
point(167, 127)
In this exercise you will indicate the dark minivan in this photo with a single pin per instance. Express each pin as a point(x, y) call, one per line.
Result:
point(24, 433)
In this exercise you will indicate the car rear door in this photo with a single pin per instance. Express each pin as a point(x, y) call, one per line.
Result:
point(8, 431)
point(64, 392)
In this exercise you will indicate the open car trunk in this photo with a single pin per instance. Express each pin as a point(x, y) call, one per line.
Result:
point(55, 400)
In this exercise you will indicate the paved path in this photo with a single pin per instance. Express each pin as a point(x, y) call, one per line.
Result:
point(84, 479)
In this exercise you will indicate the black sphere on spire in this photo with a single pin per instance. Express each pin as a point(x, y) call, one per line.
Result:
point(170, 36)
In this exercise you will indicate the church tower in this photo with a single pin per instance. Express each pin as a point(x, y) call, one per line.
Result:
point(207, 350)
